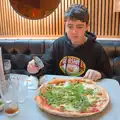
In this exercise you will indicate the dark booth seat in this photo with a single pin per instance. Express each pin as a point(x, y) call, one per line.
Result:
point(21, 51)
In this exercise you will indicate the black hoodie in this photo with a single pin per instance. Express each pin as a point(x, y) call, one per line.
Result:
point(62, 58)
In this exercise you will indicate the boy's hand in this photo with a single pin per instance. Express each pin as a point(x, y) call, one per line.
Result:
point(93, 75)
point(32, 68)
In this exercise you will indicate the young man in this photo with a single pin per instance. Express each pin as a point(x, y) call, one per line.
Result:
point(76, 53)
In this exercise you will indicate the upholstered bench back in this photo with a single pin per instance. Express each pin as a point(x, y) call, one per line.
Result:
point(21, 51)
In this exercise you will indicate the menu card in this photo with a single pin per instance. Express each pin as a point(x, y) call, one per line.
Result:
point(2, 76)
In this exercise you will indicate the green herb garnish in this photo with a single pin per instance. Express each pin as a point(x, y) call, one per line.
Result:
point(72, 96)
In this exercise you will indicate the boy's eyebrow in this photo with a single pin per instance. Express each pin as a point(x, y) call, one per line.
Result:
point(76, 25)
point(69, 24)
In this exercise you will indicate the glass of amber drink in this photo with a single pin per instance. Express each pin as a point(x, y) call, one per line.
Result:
point(9, 90)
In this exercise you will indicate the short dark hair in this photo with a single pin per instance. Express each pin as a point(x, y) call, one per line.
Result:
point(77, 12)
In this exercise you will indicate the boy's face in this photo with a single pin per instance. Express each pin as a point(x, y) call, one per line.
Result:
point(75, 30)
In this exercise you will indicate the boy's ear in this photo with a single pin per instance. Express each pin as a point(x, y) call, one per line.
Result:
point(64, 22)
point(86, 32)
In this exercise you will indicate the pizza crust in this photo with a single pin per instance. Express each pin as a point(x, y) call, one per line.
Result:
point(44, 106)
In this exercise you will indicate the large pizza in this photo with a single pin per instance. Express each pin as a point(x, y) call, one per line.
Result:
point(74, 97)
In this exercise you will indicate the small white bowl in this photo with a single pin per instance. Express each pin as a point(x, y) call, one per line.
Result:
point(1, 106)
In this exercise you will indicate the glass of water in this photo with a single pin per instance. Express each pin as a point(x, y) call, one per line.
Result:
point(7, 66)
point(22, 89)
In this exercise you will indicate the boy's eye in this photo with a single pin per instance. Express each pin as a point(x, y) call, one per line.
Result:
point(79, 27)
point(70, 27)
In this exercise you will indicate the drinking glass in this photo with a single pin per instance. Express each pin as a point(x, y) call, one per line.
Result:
point(11, 94)
point(7, 66)
point(22, 89)
point(8, 92)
